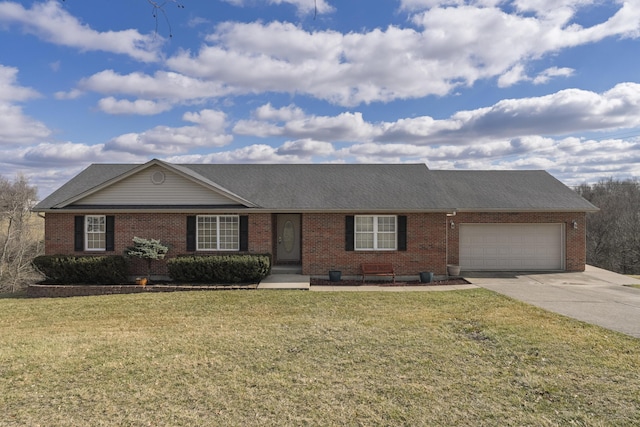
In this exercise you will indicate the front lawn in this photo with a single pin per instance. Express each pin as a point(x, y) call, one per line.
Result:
point(295, 358)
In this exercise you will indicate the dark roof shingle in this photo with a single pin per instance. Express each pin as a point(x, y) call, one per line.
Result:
point(359, 187)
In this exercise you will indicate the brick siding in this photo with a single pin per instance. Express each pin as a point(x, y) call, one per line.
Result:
point(323, 247)
point(323, 239)
point(169, 228)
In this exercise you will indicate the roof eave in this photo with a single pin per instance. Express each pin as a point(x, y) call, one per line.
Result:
point(535, 210)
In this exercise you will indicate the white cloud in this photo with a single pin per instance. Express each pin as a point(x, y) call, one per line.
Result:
point(209, 131)
point(15, 126)
point(10, 91)
point(162, 85)
point(552, 72)
point(62, 153)
point(564, 112)
point(49, 165)
point(454, 46)
point(211, 120)
point(59, 154)
point(306, 148)
point(72, 94)
point(257, 153)
point(257, 128)
point(414, 5)
point(343, 127)
point(303, 7)
point(267, 112)
point(515, 75)
point(143, 107)
point(50, 22)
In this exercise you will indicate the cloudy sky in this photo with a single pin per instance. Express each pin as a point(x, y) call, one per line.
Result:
point(455, 84)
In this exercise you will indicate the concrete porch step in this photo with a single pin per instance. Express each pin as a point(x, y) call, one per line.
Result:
point(286, 269)
point(285, 281)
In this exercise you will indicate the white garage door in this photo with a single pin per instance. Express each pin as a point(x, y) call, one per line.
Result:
point(511, 247)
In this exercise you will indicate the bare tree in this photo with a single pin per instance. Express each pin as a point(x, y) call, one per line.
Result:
point(158, 8)
point(19, 233)
point(613, 233)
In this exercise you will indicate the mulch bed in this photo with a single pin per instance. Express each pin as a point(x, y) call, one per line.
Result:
point(49, 290)
point(326, 282)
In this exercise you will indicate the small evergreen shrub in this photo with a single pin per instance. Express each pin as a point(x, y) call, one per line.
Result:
point(219, 269)
point(94, 270)
point(148, 250)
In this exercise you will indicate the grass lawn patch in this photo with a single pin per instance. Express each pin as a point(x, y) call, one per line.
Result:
point(634, 286)
point(304, 358)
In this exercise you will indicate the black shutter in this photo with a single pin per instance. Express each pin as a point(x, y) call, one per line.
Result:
point(191, 233)
point(349, 235)
point(402, 233)
point(244, 233)
point(78, 233)
point(110, 241)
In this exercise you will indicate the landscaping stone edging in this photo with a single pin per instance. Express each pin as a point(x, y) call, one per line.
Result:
point(57, 291)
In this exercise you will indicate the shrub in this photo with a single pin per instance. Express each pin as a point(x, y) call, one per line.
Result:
point(219, 269)
point(95, 270)
point(148, 250)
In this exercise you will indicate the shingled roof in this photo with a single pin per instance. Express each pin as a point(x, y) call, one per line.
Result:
point(356, 187)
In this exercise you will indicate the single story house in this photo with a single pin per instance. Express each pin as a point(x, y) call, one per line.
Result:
point(322, 217)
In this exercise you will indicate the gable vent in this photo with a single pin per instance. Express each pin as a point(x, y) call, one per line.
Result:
point(157, 177)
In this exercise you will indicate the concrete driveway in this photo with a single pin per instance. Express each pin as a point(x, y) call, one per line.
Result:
point(594, 296)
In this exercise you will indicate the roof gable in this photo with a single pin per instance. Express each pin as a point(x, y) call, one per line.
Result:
point(153, 183)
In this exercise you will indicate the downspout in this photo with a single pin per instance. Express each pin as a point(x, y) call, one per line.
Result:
point(446, 236)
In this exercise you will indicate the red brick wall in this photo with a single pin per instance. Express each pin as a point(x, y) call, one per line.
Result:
point(323, 246)
point(575, 250)
point(169, 228)
point(427, 234)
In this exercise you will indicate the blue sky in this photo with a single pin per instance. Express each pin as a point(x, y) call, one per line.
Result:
point(455, 84)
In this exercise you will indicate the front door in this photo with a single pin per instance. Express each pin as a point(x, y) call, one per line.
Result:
point(288, 243)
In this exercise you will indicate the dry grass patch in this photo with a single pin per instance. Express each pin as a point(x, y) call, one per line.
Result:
point(305, 358)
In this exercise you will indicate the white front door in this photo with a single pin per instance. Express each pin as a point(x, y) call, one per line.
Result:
point(288, 238)
point(512, 247)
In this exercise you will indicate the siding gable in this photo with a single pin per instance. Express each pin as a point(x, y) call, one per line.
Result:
point(156, 185)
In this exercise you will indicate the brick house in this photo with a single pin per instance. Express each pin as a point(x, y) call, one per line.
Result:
point(324, 216)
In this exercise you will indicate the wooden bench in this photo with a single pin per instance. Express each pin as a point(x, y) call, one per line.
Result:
point(378, 269)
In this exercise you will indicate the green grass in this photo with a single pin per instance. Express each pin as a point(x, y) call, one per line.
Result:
point(634, 286)
point(295, 358)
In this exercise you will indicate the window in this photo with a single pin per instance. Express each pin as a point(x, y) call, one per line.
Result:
point(218, 233)
point(375, 232)
point(96, 232)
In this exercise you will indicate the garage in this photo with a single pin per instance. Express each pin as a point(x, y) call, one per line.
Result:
point(512, 247)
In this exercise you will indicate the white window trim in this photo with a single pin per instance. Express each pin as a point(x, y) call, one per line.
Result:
point(375, 233)
point(217, 248)
point(86, 234)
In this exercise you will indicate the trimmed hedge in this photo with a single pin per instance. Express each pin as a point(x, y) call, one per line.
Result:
point(220, 269)
point(94, 270)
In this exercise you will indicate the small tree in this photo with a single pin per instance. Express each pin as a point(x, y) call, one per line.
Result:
point(147, 249)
